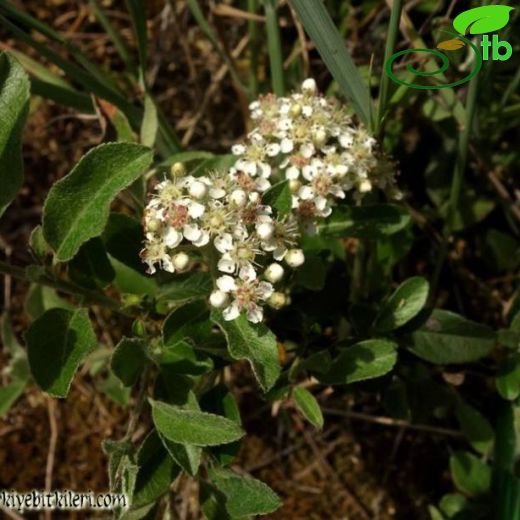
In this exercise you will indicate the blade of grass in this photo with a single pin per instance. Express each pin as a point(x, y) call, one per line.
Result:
point(391, 40)
point(28, 22)
point(274, 47)
point(61, 95)
point(252, 7)
point(88, 81)
point(137, 12)
point(112, 32)
point(330, 45)
point(457, 180)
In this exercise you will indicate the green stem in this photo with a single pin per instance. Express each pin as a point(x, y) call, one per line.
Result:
point(64, 286)
point(391, 40)
point(457, 181)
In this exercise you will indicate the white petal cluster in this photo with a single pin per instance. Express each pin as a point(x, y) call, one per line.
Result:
point(312, 142)
point(306, 139)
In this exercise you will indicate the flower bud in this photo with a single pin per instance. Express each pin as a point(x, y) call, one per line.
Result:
point(365, 186)
point(319, 137)
point(309, 86)
point(294, 185)
point(177, 169)
point(295, 257)
point(153, 225)
point(181, 261)
point(265, 230)
point(138, 328)
point(218, 299)
point(238, 198)
point(296, 110)
point(278, 300)
point(198, 189)
point(274, 273)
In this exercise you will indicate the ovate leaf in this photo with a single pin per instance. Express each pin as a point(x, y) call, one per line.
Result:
point(14, 107)
point(365, 221)
point(364, 360)
point(405, 303)
point(254, 342)
point(57, 342)
point(308, 406)
point(245, 496)
point(508, 377)
point(128, 360)
point(77, 207)
point(476, 427)
point(193, 427)
point(449, 338)
point(279, 197)
point(156, 471)
point(41, 298)
point(469, 473)
point(480, 20)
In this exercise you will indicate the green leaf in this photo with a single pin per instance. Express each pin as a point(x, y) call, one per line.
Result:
point(452, 503)
point(279, 197)
point(77, 207)
point(254, 342)
point(156, 471)
point(331, 46)
point(186, 287)
point(14, 107)
point(187, 322)
point(220, 400)
point(469, 473)
point(364, 360)
point(245, 496)
point(508, 377)
point(9, 394)
point(182, 358)
point(128, 360)
point(476, 427)
point(308, 406)
point(193, 427)
point(371, 222)
point(481, 20)
point(91, 267)
point(449, 338)
point(187, 456)
point(57, 343)
point(37, 243)
point(404, 304)
point(42, 298)
point(150, 123)
point(274, 47)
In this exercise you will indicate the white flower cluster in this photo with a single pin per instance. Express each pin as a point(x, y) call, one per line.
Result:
point(304, 139)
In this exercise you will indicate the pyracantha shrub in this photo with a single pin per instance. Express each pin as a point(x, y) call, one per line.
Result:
point(305, 145)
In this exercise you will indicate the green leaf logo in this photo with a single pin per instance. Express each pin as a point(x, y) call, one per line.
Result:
point(485, 19)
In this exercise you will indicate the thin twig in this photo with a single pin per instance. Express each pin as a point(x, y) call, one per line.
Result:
point(389, 421)
point(51, 454)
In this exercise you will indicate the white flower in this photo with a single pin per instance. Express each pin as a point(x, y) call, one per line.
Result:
point(218, 299)
point(181, 261)
point(246, 295)
point(198, 189)
point(309, 86)
point(274, 273)
point(295, 257)
point(265, 230)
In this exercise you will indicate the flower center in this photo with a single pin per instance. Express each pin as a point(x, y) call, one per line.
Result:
point(178, 215)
